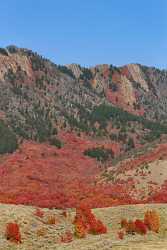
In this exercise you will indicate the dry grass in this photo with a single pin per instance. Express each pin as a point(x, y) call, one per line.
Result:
point(38, 235)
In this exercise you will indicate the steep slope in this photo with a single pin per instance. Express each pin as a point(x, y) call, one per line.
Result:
point(70, 123)
point(144, 175)
point(43, 175)
point(134, 87)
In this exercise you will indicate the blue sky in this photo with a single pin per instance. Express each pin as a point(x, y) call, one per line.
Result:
point(88, 32)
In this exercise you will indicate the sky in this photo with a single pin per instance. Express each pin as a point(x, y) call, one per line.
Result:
point(88, 32)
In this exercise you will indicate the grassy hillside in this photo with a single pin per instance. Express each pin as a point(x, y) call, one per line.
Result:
point(38, 234)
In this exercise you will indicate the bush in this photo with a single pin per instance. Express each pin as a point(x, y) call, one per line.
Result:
point(51, 220)
point(129, 226)
point(67, 237)
point(120, 235)
point(13, 232)
point(80, 229)
point(85, 222)
point(140, 227)
point(101, 154)
point(39, 213)
point(8, 140)
point(152, 220)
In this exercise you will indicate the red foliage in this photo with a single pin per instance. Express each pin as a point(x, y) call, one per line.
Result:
point(45, 176)
point(67, 237)
point(39, 213)
point(13, 232)
point(99, 228)
point(140, 227)
point(121, 235)
point(40, 168)
point(81, 229)
point(129, 226)
point(64, 214)
point(88, 222)
point(152, 220)
point(132, 227)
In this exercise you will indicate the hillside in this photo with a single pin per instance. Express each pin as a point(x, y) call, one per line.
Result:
point(71, 134)
point(39, 98)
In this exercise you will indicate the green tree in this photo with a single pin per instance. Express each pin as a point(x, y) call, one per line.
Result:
point(8, 140)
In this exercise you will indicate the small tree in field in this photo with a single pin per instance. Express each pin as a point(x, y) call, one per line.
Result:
point(152, 220)
point(86, 222)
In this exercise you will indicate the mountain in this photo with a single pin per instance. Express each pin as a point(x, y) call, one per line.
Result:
point(72, 131)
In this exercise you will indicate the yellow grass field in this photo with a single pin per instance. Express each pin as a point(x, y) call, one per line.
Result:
point(30, 225)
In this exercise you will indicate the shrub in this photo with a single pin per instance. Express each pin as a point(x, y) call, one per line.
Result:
point(101, 154)
point(85, 222)
point(13, 232)
point(51, 220)
point(67, 237)
point(129, 226)
point(98, 228)
point(64, 214)
point(39, 213)
point(80, 229)
point(152, 220)
point(140, 227)
point(120, 235)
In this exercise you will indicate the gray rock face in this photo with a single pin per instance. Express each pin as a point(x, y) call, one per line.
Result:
point(36, 95)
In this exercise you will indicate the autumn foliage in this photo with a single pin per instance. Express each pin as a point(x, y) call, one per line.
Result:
point(67, 237)
point(140, 227)
point(121, 235)
point(13, 232)
point(51, 220)
point(128, 226)
point(39, 213)
point(70, 175)
point(152, 220)
point(86, 222)
point(132, 227)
